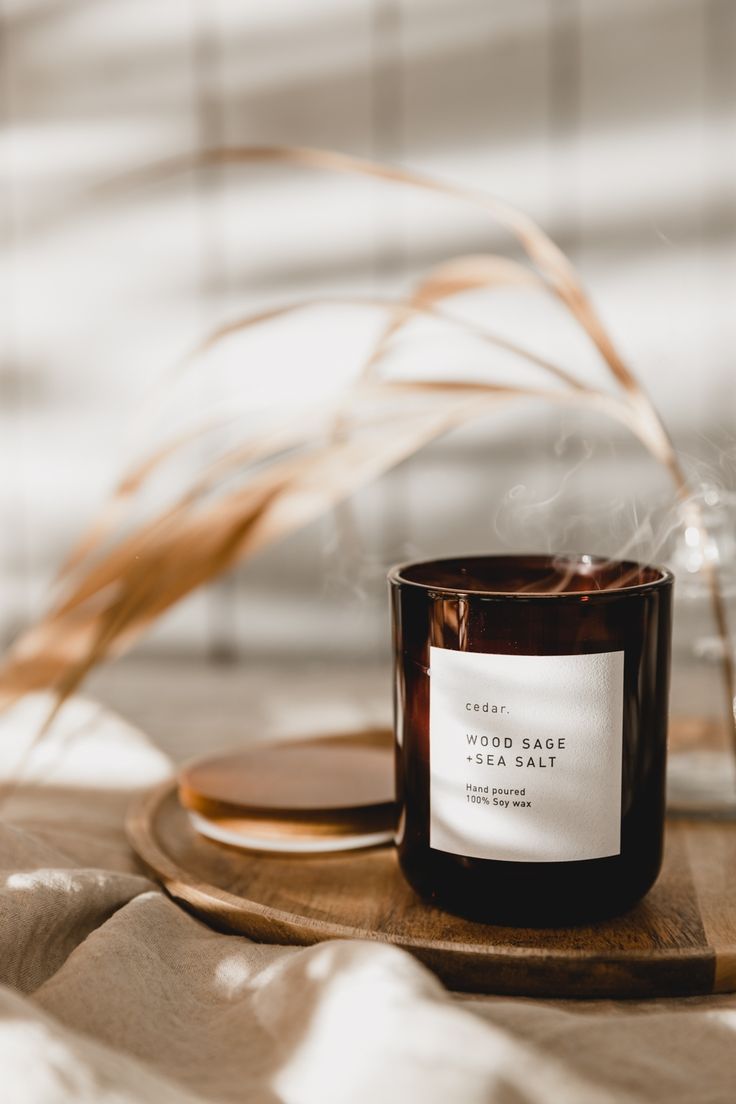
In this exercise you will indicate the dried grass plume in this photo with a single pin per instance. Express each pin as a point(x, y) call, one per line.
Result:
point(117, 582)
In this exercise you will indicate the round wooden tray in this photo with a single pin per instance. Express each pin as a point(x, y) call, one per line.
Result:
point(680, 940)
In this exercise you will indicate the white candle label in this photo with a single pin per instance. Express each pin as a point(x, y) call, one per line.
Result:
point(525, 755)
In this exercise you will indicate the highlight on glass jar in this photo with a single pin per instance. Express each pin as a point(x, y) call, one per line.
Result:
point(531, 698)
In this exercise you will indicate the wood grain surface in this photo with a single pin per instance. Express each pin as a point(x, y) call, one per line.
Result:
point(340, 785)
point(680, 940)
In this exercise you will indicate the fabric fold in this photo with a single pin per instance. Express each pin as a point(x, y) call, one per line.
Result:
point(130, 1000)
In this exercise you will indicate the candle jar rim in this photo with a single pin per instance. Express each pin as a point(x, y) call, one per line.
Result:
point(649, 576)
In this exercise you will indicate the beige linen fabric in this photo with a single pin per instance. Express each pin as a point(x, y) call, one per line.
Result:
point(111, 993)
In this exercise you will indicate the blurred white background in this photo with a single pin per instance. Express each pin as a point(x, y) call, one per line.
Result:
point(611, 122)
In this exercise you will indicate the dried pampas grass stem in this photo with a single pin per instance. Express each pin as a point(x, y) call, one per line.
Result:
point(115, 584)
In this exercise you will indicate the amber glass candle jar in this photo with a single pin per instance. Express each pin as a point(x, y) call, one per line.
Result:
point(531, 724)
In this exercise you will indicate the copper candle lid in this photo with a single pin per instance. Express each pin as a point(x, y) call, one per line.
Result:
point(326, 794)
